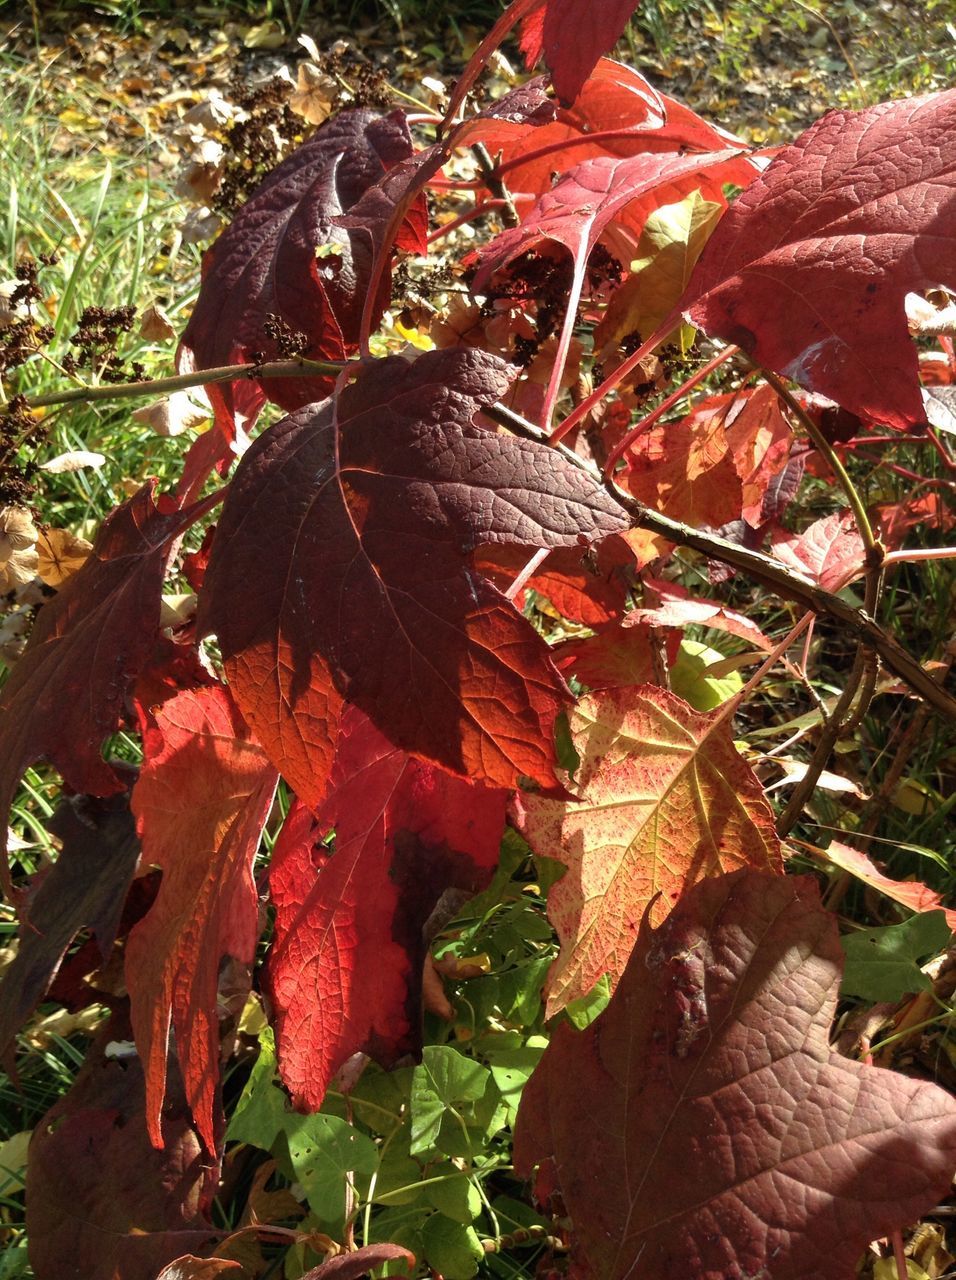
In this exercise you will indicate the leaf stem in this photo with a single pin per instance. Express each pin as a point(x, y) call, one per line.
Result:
point(183, 381)
point(646, 423)
point(823, 447)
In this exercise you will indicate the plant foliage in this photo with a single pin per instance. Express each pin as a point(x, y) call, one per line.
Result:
point(440, 614)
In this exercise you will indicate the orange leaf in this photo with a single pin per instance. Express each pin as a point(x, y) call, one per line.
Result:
point(910, 893)
point(666, 800)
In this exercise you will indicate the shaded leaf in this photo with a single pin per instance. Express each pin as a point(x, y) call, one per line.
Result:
point(734, 1142)
point(201, 801)
point(265, 264)
point(189, 1267)
point(881, 963)
point(85, 888)
point(68, 690)
point(679, 608)
point(102, 1202)
point(345, 969)
point(321, 1152)
point(809, 269)
point(665, 801)
point(686, 471)
point(369, 505)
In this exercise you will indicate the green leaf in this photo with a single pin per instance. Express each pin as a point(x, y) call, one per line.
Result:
point(451, 1249)
point(455, 1104)
point(690, 680)
point(582, 1012)
point(455, 1196)
point(322, 1153)
point(881, 964)
point(512, 1068)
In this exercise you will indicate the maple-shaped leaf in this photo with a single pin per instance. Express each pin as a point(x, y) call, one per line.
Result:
point(285, 255)
point(666, 799)
point(830, 550)
point(345, 969)
point(340, 568)
point(102, 1203)
point(85, 888)
point(201, 802)
point(67, 692)
point(809, 270)
point(728, 1141)
point(572, 35)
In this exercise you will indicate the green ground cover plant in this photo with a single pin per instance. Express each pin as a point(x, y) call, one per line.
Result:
point(446, 798)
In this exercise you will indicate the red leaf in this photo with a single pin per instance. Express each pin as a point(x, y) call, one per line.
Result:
point(831, 551)
point(809, 269)
point(352, 1266)
point(343, 548)
point(665, 800)
point(678, 608)
point(732, 1141)
point(617, 113)
point(265, 263)
point(911, 893)
point(201, 802)
point(68, 690)
point(85, 887)
point(614, 657)
point(577, 210)
point(572, 35)
point(102, 1203)
point(345, 970)
point(759, 437)
point(587, 589)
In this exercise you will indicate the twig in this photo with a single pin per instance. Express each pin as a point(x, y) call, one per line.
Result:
point(784, 582)
point(183, 381)
point(495, 184)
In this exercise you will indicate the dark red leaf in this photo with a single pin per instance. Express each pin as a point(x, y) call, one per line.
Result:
point(201, 802)
point(85, 888)
point(345, 970)
point(702, 1128)
point(341, 563)
point(102, 1203)
point(809, 269)
point(68, 690)
point(352, 1266)
point(265, 263)
point(572, 35)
